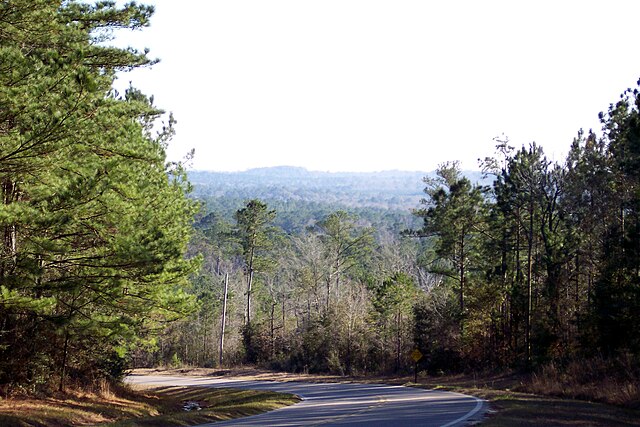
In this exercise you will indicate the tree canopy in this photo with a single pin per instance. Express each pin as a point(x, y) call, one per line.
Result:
point(94, 221)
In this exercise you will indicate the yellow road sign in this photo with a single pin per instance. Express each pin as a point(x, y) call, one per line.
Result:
point(416, 355)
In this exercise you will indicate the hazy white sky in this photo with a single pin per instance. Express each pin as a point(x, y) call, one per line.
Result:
point(368, 85)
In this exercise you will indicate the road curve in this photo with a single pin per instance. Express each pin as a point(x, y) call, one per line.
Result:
point(338, 404)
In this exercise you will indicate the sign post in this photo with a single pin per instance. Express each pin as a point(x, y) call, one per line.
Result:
point(416, 355)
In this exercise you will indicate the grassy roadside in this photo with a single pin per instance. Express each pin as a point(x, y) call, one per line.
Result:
point(151, 407)
point(509, 395)
point(522, 409)
point(512, 405)
point(511, 402)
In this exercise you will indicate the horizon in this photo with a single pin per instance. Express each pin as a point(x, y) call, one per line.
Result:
point(323, 171)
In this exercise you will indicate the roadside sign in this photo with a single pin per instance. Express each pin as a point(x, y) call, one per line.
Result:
point(416, 355)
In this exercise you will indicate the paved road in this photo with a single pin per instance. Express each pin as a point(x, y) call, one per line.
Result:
point(334, 404)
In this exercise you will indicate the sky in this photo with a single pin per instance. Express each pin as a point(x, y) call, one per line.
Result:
point(371, 85)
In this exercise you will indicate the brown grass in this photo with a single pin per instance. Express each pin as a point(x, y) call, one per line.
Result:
point(126, 407)
point(611, 381)
point(216, 404)
point(250, 373)
point(73, 408)
point(514, 399)
point(529, 410)
point(529, 400)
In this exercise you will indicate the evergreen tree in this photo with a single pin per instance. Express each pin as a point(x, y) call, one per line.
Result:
point(255, 233)
point(617, 292)
point(455, 217)
point(94, 223)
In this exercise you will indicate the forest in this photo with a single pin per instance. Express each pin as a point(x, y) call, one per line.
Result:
point(301, 197)
point(535, 264)
point(111, 258)
point(94, 221)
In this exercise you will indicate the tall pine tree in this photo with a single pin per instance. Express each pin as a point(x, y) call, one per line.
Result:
point(94, 222)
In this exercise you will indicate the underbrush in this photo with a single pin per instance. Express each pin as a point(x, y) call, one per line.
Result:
point(121, 406)
point(76, 406)
point(614, 381)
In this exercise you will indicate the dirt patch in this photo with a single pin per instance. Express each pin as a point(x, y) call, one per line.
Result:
point(491, 381)
point(255, 374)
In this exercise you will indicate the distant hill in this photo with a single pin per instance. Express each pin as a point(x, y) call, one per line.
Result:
point(293, 191)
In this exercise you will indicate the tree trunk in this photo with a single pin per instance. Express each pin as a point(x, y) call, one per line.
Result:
point(204, 339)
point(529, 283)
point(462, 277)
point(328, 295)
point(398, 339)
point(284, 327)
point(249, 285)
point(224, 319)
point(272, 324)
point(63, 370)
point(10, 232)
point(337, 278)
point(250, 281)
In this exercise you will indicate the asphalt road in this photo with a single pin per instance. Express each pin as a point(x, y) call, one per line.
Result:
point(335, 404)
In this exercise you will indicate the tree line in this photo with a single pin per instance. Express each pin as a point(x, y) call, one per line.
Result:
point(94, 222)
point(540, 266)
point(105, 262)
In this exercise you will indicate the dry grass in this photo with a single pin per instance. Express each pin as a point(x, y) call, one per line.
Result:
point(529, 410)
point(613, 381)
point(523, 400)
point(514, 399)
point(511, 399)
point(73, 408)
point(249, 373)
point(151, 407)
point(216, 404)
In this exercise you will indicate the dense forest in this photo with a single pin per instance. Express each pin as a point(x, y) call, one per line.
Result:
point(110, 258)
point(94, 221)
point(537, 263)
point(383, 199)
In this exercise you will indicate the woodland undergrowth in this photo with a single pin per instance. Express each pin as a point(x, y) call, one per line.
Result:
point(614, 380)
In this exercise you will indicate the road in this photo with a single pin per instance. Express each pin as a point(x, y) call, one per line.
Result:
point(336, 404)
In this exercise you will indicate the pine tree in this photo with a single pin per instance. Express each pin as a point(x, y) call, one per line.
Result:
point(455, 216)
point(254, 232)
point(95, 224)
point(617, 291)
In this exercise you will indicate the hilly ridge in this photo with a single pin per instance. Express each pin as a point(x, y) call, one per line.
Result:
point(302, 197)
point(395, 190)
